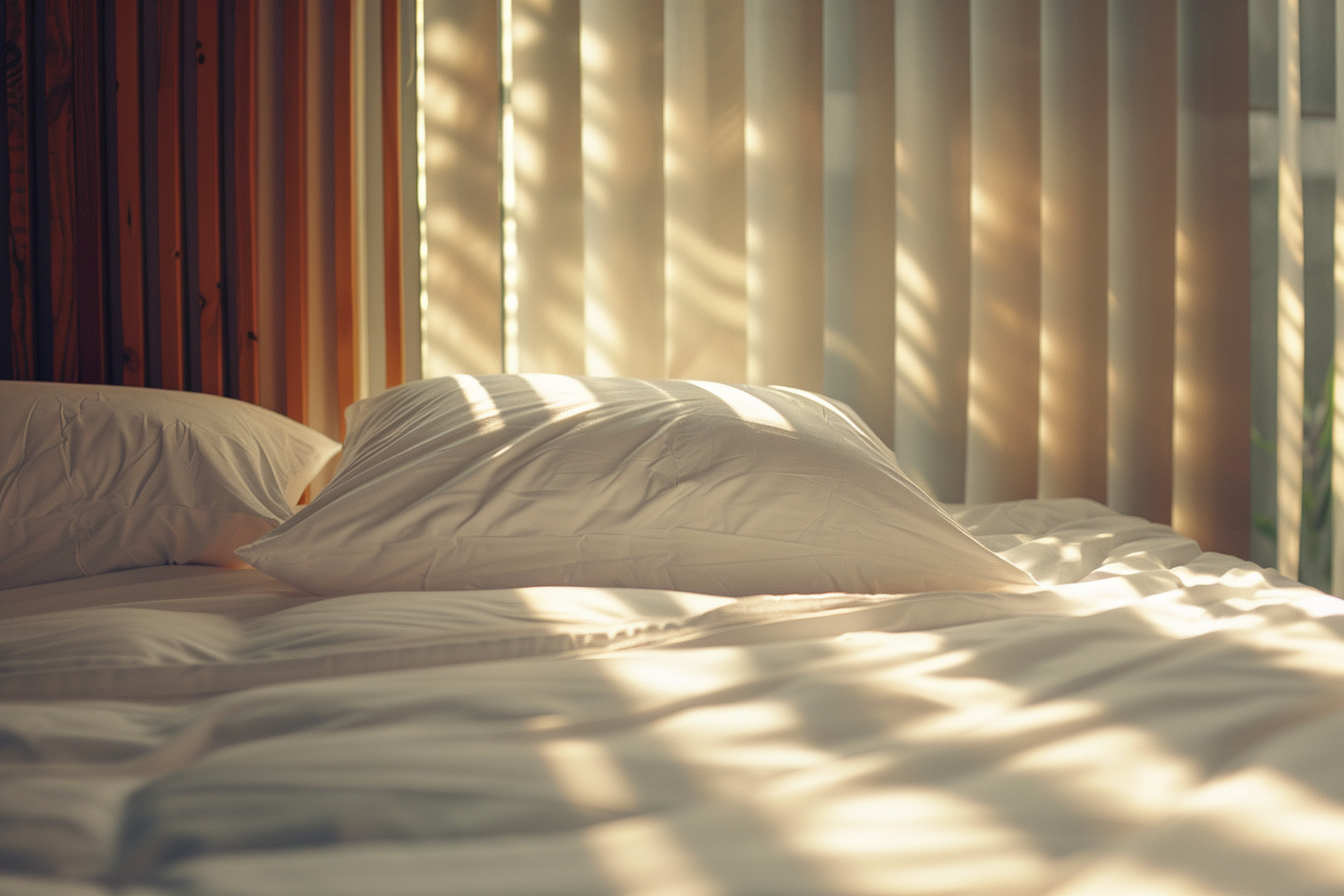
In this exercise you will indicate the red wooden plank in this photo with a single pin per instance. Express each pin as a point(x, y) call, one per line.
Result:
point(296, 215)
point(392, 234)
point(131, 244)
point(209, 255)
point(20, 234)
point(245, 187)
point(87, 198)
point(347, 323)
point(169, 179)
point(61, 159)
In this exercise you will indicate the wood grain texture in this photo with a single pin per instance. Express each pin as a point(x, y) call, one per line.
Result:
point(347, 250)
point(209, 262)
point(18, 313)
point(240, 224)
point(57, 341)
point(130, 188)
point(86, 200)
point(130, 247)
point(169, 240)
point(6, 293)
point(296, 215)
point(395, 349)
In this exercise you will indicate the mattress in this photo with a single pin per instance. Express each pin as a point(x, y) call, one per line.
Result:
point(1148, 718)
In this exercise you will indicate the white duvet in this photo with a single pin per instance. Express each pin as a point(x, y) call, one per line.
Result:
point(1152, 720)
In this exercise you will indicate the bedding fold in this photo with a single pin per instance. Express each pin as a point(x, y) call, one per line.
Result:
point(1150, 719)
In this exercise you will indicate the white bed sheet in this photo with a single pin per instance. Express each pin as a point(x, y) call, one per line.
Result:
point(1153, 719)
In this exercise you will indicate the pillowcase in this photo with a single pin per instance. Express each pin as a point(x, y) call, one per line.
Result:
point(100, 478)
point(508, 481)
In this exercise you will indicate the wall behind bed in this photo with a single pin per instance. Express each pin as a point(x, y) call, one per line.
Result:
point(195, 194)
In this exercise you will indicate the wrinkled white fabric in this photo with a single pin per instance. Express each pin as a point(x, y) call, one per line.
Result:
point(509, 481)
point(1151, 719)
point(100, 478)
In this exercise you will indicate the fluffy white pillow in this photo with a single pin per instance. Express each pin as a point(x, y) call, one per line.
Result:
point(507, 481)
point(99, 478)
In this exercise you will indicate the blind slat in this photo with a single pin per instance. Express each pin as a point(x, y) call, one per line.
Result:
point(705, 190)
point(549, 173)
point(1291, 308)
point(462, 216)
point(1004, 377)
point(1211, 414)
point(1337, 423)
point(622, 101)
point(860, 198)
point(784, 193)
point(1073, 420)
point(1141, 269)
point(933, 238)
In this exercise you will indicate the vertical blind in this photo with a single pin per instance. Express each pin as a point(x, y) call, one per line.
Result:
point(1013, 234)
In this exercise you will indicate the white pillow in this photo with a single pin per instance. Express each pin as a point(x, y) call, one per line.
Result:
point(508, 481)
point(99, 478)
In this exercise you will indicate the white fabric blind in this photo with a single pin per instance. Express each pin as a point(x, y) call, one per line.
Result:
point(1337, 424)
point(1141, 266)
point(705, 190)
point(1211, 394)
point(785, 305)
point(1004, 401)
point(933, 231)
point(547, 112)
point(621, 58)
point(860, 207)
point(1011, 233)
point(1291, 307)
point(1074, 242)
point(461, 175)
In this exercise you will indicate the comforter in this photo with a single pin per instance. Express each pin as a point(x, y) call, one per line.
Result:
point(1150, 719)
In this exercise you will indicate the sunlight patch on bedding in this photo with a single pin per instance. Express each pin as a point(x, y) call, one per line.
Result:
point(1247, 577)
point(1257, 831)
point(746, 405)
point(956, 708)
point(731, 748)
point(1305, 646)
point(562, 395)
point(1313, 603)
point(926, 677)
point(482, 405)
point(1062, 551)
point(987, 712)
point(641, 857)
point(894, 645)
point(914, 840)
point(1129, 875)
point(614, 603)
point(1114, 772)
point(586, 774)
point(1124, 566)
point(659, 676)
point(1267, 810)
point(1193, 578)
point(753, 742)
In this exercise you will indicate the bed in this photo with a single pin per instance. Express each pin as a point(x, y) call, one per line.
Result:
point(552, 635)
